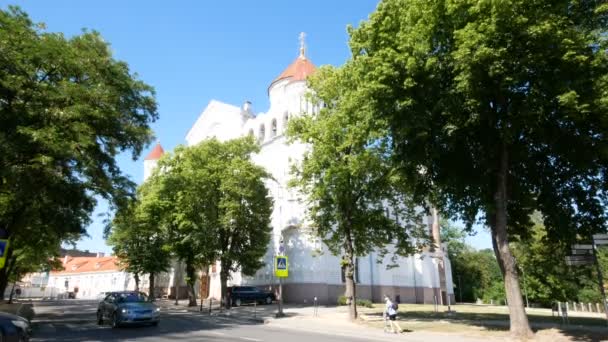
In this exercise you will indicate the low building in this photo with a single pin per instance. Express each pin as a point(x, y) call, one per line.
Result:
point(87, 277)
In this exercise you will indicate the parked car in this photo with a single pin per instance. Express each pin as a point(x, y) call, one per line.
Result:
point(102, 295)
point(14, 328)
point(127, 307)
point(250, 294)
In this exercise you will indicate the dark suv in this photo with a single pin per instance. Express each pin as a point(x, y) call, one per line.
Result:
point(250, 294)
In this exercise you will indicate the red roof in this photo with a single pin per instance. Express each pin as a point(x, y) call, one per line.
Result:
point(88, 264)
point(156, 153)
point(301, 68)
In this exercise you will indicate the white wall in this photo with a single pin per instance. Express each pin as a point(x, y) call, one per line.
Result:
point(91, 284)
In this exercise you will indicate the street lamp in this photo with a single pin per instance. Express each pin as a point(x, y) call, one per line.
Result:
point(280, 299)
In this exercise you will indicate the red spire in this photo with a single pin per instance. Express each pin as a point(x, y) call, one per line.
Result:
point(156, 152)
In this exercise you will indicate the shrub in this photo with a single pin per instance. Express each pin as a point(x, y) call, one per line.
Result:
point(360, 302)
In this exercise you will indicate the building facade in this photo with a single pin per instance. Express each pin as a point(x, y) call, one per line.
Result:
point(314, 271)
point(88, 277)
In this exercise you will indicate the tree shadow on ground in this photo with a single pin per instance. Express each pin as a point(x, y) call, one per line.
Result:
point(577, 329)
point(80, 325)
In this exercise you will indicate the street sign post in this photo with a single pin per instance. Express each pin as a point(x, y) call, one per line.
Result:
point(600, 237)
point(579, 260)
point(582, 252)
point(281, 267)
point(587, 247)
point(3, 250)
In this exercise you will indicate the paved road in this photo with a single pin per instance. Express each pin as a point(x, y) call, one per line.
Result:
point(74, 321)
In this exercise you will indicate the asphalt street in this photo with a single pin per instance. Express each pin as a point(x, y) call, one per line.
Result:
point(74, 321)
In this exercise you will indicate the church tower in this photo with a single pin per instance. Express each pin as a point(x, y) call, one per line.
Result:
point(152, 159)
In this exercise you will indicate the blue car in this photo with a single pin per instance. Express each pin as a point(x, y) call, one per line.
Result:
point(127, 307)
point(14, 328)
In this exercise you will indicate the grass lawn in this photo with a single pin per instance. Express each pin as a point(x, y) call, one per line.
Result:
point(491, 321)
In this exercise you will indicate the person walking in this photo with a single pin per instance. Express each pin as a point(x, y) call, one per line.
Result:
point(390, 315)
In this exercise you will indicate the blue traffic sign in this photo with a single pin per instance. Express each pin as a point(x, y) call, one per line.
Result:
point(281, 263)
point(3, 244)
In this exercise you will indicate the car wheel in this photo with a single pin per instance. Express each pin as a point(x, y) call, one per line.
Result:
point(99, 318)
point(115, 322)
point(154, 324)
point(237, 302)
point(268, 300)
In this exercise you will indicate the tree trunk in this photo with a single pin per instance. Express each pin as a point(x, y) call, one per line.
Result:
point(225, 300)
point(136, 277)
point(349, 277)
point(350, 294)
point(151, 294)
point(10, 297)
point(520, 327)
point(190, 280)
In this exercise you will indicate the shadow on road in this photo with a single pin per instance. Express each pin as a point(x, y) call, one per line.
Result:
point(76, 321)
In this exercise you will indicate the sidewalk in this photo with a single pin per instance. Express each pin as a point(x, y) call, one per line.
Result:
point(25, 310)
point(326, 320)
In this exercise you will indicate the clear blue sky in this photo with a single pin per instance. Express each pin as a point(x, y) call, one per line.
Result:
point(195, 51)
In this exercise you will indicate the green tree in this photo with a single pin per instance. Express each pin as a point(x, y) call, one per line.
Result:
point(218, 206)
point(348, 180)
point(503, 103)
point(67, 108)
point(542, 262)
point(138, 239)
point(475, 270)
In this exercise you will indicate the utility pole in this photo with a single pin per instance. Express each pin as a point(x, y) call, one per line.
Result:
point(280, 299)
point(523, 274)
point(460, 288)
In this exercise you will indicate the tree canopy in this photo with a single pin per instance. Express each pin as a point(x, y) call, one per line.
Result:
point(355, 199)
point(138, 240)
point(503, 104)
point(67, 108)
point(214, 206)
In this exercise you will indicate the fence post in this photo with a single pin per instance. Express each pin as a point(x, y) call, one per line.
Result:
point(210, 301)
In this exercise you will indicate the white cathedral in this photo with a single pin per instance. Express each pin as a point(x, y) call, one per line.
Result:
point(313, 270)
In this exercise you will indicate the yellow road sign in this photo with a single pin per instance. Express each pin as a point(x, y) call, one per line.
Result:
point(3, 250)
point(281, 266)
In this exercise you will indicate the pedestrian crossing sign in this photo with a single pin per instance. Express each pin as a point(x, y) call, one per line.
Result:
point(3, 250)
point(281, 268)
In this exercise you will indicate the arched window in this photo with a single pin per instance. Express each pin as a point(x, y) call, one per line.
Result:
point(285, 119)
point(273, 128)
point(262, 133)
point(251, 132)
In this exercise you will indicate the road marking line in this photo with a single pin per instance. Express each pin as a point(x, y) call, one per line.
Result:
point(250, 339)
point(216, 333)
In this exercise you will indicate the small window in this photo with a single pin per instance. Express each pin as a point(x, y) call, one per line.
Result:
point(262, 133)
point(285, 119)
point(251, 132)
point(273, 128)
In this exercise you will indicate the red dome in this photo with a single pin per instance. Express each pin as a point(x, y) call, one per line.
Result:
point(296, 71)
point(156, 153)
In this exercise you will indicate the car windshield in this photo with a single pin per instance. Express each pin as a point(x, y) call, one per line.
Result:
point(131, 297)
